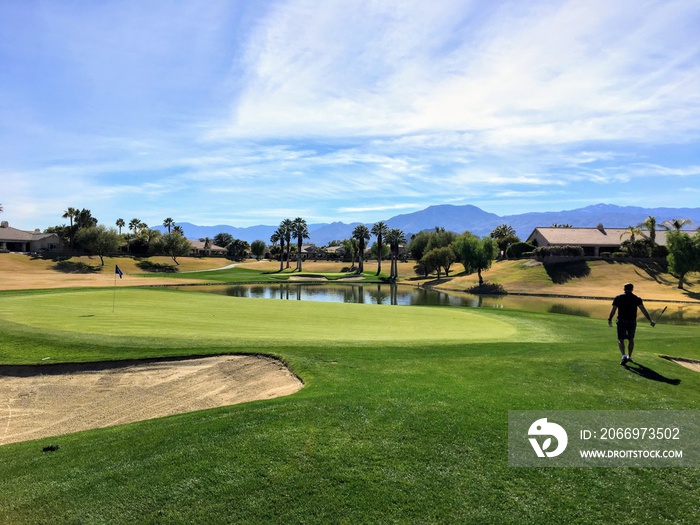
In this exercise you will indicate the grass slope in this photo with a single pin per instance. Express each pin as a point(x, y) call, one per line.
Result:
point(583, 279)
point(412, 431)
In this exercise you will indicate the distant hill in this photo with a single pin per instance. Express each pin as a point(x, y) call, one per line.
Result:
point(462, 218)
point(455, 218)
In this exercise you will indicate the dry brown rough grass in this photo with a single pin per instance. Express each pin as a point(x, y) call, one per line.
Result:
point(22, 272)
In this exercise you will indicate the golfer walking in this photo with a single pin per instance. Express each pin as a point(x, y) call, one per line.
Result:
point(626, 305)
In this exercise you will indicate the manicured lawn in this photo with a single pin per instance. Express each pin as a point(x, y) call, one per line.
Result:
point(403, 418)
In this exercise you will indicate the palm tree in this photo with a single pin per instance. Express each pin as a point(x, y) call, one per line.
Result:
point(379, 229)
point(395, 238)
point(632, 231)
point(300, 232)
point(128, 237)
point(71, 213)
point(502, 231)
point(650, 224)
point(178, 229)
point(120, 224)
point(150, 236)
point(677, 224)
point(286, 228)
point(134, 225)
point(168, 223)
point(278, 236)
point(361, 233)
point(84, 219)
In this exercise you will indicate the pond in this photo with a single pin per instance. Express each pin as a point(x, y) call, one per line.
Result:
point(403, 295)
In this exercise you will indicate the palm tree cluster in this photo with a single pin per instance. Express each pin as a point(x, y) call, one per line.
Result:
point(298, 229)
point(79, 219)
point(395, 238)
point(641, 239)
point(283, 235)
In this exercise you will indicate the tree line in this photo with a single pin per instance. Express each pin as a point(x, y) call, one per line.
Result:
point(435, 251)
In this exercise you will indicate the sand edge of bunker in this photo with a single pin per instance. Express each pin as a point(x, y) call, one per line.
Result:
point(59, 398)
point(691, 364)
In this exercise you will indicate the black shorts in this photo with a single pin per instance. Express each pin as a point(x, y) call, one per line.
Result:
point(626, 329)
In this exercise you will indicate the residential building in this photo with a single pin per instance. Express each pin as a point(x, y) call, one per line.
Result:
point(14, 240)
point(594, 241)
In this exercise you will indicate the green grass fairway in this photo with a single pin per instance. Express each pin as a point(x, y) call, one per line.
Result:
point(403, 418)
point(180, 319)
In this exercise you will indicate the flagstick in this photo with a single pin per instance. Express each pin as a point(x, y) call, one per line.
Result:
point(114, 295)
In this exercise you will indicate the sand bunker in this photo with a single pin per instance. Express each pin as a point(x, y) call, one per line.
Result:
point(37, 402)
point(693, 364)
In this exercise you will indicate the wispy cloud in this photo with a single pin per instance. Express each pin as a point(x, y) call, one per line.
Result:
point(551, 72)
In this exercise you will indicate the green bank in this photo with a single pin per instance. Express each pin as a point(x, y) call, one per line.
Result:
point(403, 418)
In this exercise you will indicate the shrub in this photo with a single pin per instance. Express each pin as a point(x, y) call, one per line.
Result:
point(619, 255)
point(660, 252)
point(487, 289)
point(640, 248)
point(518, 249)
point(558, 251)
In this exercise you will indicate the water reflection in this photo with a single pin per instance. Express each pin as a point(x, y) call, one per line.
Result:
point(354, 293)
point(402, 295)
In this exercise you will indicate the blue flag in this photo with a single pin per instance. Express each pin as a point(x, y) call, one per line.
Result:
point(118, 271)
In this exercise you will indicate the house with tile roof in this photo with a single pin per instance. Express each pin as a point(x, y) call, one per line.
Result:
point(594, 241)
point(14, 240)
point(200, 248)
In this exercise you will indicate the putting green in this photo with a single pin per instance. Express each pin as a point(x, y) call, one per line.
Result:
point(182, 316)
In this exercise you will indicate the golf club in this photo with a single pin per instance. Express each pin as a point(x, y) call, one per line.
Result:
point(659, 317)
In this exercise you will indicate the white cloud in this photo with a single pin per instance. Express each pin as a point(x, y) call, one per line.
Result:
point(553, 72)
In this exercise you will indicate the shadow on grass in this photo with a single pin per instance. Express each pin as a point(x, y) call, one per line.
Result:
point(75, 267)
point(563, 272)
point(653, 269)
point(152, 267)
point(692, 295)
point(648, 373)
point(558, 308)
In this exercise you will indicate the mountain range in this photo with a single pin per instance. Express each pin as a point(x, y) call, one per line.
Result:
point(462, 218)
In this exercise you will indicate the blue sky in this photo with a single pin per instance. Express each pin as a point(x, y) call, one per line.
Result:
point(247, 112)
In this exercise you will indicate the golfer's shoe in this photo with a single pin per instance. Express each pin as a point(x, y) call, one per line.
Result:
point(624, 360)
point(630, 360)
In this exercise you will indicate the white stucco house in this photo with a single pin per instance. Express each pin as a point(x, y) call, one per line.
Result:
point(14, 240)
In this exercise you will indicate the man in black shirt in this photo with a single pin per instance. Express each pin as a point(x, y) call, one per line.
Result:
point(626, 305)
